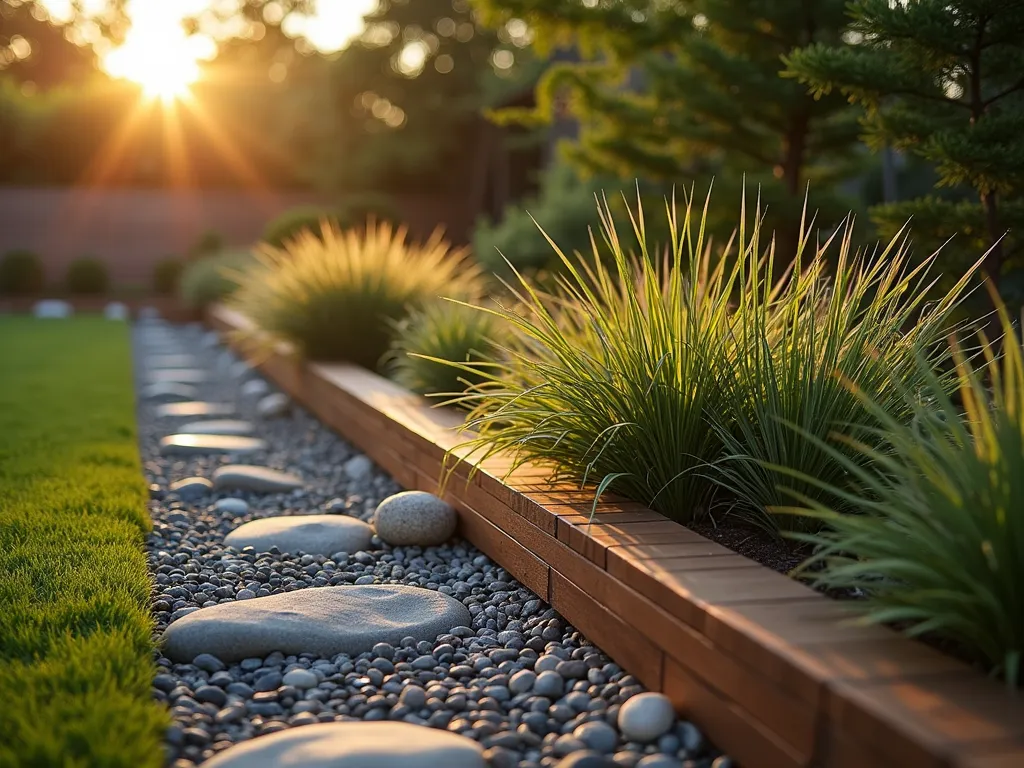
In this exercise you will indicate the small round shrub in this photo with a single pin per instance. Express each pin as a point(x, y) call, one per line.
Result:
point(358, 210)
point(167, 275)
point(354, 213)
point(336, 298)
point(208, 243)
point(21, 273)
point(444, 330)
point(214, 278)
point(87, 276)
point(289, 224)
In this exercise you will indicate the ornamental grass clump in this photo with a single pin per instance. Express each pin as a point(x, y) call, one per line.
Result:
point(211, 279)
point(937, 541)
point(610, 375)
point(687, 379)
point(336, 294)
point(838, 321)
point(438, 332)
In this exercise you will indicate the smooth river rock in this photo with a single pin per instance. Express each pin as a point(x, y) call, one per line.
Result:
point(179, 375)
point(355, 745)
point(273, 406)
point(646, 716)
point(194, 408)
point(248, 477)
point(184, 444)
point(155, 362)
point(312, 534)
point(218, 427)
point(321, 620)
point(191, 488)
point(168, 390)
point(414, 518)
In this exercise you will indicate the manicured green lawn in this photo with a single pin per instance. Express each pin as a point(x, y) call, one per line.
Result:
point(75, 647)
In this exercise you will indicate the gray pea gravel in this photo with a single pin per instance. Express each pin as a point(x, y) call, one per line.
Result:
point(520, 680)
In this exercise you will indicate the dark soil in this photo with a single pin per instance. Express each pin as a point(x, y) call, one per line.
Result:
point(772, 552)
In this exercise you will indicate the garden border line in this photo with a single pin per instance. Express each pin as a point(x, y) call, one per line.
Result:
point(774, 673)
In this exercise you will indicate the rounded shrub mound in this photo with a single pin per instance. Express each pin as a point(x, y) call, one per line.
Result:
point(87, 276)
point(355, 212)
point(291, 223)
point(167, 276)
point(336, 298)
point(214, 278)
point(21, 273)
point(700, 382)
point(433, 337)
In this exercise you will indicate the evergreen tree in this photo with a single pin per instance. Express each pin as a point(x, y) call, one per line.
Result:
point(678, 91)
point(943, 79)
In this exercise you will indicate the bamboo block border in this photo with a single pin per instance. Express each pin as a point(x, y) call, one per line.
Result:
point(774, 673)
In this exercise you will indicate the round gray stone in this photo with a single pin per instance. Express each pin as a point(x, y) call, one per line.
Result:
point(301, 678)
point(171, 361)
point(254, 388)
point(232, 506)
point(597, 735)
point(323, 620)
point(178, 375)
point(193, 409)
point(184, 444)
point(191, 488)
point(167, 391)
point(355, 745)
point(414, 518)
point(358, 467)
point(312, 534)
point(646, 716)
point(248, 477)
point(218, 427)
point(274, 405)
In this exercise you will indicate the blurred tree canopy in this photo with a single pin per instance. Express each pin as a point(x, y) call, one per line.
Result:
point(943, 80)
point(396, 110)
point(682, 91)
point(37, 54)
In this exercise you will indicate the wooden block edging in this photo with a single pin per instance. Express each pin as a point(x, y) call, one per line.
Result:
point(760, 664)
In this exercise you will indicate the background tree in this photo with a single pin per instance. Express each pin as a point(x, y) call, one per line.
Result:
point(37, 53)
point(677, 91)
point(405, 96)
point(943, 79)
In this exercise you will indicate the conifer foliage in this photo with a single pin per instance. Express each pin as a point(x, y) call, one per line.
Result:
point(943, 79)
point(674, 91)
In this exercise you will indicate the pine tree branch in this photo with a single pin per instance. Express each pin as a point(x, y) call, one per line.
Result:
point(1019, 85)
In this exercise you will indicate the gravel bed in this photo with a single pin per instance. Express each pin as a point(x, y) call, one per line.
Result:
point(521, 680)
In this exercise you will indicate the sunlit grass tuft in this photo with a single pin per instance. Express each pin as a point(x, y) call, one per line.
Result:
point(937, 539)
point(335, 295)
point(680, 379)
point(443, 330)
point(836, 321)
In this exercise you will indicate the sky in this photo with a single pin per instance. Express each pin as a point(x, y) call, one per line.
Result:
point(157, 53)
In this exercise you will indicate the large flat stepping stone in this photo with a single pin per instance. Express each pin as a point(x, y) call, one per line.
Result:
point(355, 745)
point(321, 620)
point(171, 361)
point(218, 427)
point(248, 477)
point(178, 375)
point(168, 391)
point(194, 408)
point(185, 444)
point(312, 534)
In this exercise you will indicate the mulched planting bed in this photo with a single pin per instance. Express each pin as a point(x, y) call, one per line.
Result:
point(75, 630)
point(477, 681)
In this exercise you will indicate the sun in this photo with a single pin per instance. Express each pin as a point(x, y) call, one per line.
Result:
point(161, 77)
point(158, 54)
